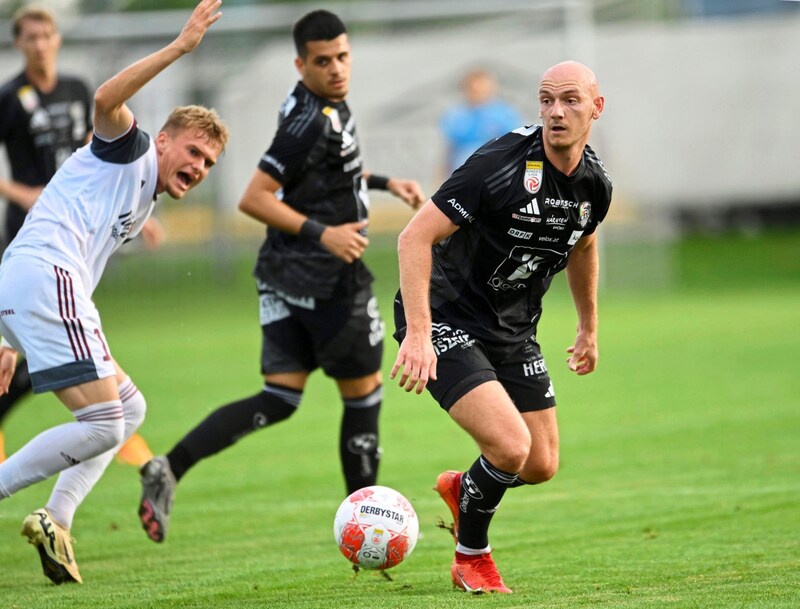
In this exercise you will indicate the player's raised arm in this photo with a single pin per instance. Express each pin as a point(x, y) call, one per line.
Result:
point(112, 117)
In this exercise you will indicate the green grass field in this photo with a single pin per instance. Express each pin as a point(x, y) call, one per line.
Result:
point(679, 486)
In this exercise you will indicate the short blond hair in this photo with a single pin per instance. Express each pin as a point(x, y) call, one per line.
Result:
point(199, 118)
point(33, 13)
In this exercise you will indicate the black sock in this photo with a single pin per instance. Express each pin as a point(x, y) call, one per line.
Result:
point(358, 440)
point(519, 482)
point(482, 488)
point(19, 387)
point(226, 425)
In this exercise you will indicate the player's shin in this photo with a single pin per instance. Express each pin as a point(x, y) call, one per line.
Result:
point(482, 488)
point(359, 448)
point(98, 428)
point(226, 425)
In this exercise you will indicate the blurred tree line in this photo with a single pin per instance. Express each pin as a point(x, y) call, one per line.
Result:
point(105, 6)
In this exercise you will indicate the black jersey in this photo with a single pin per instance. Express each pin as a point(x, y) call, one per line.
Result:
point(40, 131)
point(519, 218)
point(316, 159)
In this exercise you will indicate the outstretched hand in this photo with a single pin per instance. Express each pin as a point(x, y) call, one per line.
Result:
point(408, 190)
point(203, 17)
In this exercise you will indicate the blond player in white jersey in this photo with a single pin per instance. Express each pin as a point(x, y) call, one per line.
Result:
point(98, 199)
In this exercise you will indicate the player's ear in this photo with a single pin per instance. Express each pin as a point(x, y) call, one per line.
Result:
point(300, 65)
point(599, 104)
point(162, 141)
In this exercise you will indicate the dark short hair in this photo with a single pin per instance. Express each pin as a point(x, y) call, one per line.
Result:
point(316, 25)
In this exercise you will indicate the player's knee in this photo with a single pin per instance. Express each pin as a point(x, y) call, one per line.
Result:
point(513, 452)
point(134, 406)
point(104, 433)
point(276, 404)
point(540, 469)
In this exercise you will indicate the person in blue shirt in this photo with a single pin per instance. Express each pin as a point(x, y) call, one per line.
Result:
point(481, 118)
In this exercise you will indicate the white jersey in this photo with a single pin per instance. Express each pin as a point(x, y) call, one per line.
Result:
point(98, 199)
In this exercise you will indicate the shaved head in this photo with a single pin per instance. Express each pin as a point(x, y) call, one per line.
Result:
point(569, 101)
point(574, 72)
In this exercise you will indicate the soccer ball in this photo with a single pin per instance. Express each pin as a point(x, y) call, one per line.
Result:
point(376, 528)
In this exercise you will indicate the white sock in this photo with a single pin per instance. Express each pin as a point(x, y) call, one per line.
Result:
point(98, 428)
point(74, 484)
point(472, 551)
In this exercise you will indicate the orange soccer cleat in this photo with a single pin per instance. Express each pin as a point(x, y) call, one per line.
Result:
point(448, 485)
point(477, 574)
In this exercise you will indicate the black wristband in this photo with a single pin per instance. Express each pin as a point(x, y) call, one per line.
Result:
point(377, 182)
point(311, 229)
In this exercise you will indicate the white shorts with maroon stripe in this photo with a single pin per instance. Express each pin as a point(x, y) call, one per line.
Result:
point(46, 313)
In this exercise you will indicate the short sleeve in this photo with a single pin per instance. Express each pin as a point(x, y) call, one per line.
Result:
point(292, 144)
point(459, 198)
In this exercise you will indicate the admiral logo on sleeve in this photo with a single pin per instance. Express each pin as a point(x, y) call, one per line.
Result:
point(461, 211)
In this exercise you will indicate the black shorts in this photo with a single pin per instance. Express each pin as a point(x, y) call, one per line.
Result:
point(343, 336)
point(464, 362)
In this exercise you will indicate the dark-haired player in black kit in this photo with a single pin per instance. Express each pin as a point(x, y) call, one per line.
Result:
point(316, 303)
point(475, 262)
point(45, 116)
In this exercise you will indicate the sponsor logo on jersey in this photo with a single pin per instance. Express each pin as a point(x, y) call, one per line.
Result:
point(519, 234)
point(584, 213)
point(547, 239)
point(349, 143)
point(5, 312)
point(533, 219)
point(461, 211)
point(122, 227)
point(557, 222)
point(535, 368)
point(562, 203)
point(444, 338)
point(551, 393)
point(532, 180)
point(573, 238)
point(531, 210)
point(522, 262)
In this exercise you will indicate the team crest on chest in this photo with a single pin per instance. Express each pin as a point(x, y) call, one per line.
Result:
point(533, 176)
point(333, 115)
point(584, 213)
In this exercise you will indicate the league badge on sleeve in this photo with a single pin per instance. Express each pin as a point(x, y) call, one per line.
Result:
point(584, 213)
point(533, 176)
